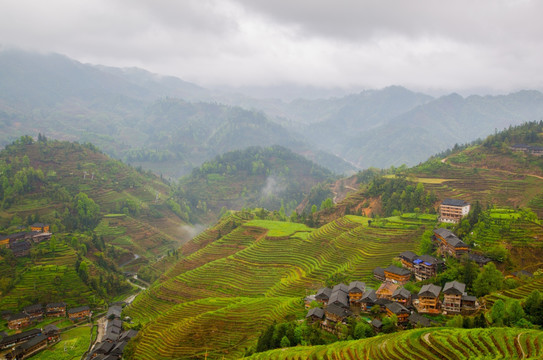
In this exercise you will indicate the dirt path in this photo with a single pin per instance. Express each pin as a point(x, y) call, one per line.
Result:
point(101, 323)
point(444, 161)
point(517, 339)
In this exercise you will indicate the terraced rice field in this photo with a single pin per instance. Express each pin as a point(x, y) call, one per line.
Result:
point(426, 344)
point(53, 278)
point(519, 293)
point(221, 280)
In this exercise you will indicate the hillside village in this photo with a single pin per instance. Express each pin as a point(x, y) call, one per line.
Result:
point(337, 304)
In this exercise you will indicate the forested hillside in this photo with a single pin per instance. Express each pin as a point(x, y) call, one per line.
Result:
point(102, 215)
point(273, 178)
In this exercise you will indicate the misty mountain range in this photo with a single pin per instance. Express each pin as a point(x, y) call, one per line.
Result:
point(170, 125)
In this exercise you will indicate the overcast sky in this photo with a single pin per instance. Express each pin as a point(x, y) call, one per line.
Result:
point(478, 46)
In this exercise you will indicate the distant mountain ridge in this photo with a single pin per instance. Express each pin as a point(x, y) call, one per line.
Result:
point(117, 110)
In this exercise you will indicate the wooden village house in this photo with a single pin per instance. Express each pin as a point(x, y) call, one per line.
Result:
point(79, 313)
point(368, 299)
point(399, 310)
point(39, 227)
point(315, 314)
point(18, 321)
point(423, 266)
point(449, 243)
point(356, 290)
point(323, 295)
point(56, 309)
point(428, 299)
point(453, 210)
point(386, 290)
point(452, 296)
point(402, 296)
point(34, 312)
point(397, 275)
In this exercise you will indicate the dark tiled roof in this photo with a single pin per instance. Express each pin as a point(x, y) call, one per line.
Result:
point(114, 311)
point(78, 309)
point(454, 288)
point(33, 342)
point(379, 271)
point(317, 312)
point(430, 290)
point(323, 294)
point(18, 316)
point(369, 296)
point(408, 255)
point(17, 337)
point(118, 350)
point(376, 323)
point(452, 239)
point(340, 287)
point(479, 259)
point(416, 318)
point(397, 308)
point(383, 301)
point(339, 298)
point(338, 310)
point(55, 305)
point(401, 293)
point(357, 286)
point(397, 270)
point(34, 308)
point(469, 298)
point(454, 202)
point(128, 334)
point(430, 259)
point(38, 225)
point(50, 328)
point(523, 273)
point(104, 348)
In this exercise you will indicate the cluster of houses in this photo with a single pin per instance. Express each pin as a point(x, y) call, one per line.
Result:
point(28, 343)
point(528, 149)
point(114, 340)
point(21, 242)
point(343, 301)
point(36, 312)
point(391, 297)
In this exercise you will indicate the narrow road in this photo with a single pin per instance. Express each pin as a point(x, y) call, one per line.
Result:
point(517, 339)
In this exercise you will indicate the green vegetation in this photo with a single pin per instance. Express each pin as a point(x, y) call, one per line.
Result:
point(74, 343)
point(247, 265)
point(435, 343)
point(274, 178)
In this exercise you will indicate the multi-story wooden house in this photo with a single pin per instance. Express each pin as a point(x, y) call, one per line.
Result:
point(368, 299)
point(34, 312)
point(18, 321)
point(12, 340)
point(407, 258)
point(426, 267)
point(402, 296)
point(449, 243)
point(40, 227)
point(379, 274)
point(452, 296)
point(399, 310)
point(56, 309)
point(356, 290)
point(52, 332)
point(397, 275)
point(29, 348)
point(428, 299)
point(386, 290)
point(323, 295)
point(339, 298)
point(453, 210)
point(315, 314)
point(79, 313)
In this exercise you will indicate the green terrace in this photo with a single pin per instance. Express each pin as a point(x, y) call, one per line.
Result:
point(425, 344)
point(249, 263)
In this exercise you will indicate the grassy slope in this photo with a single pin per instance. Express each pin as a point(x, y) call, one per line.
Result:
point(426, 344)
